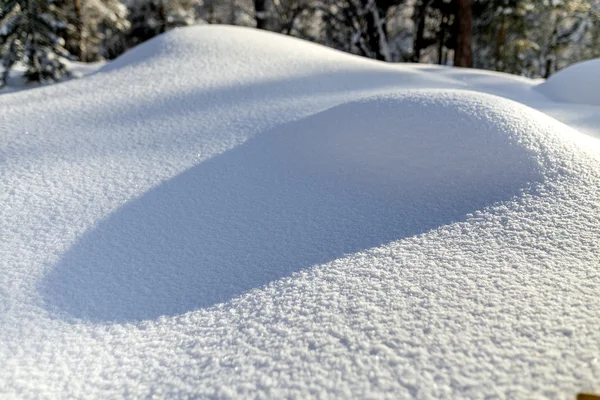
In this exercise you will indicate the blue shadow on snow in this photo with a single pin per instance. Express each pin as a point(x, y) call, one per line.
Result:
point(253, 215)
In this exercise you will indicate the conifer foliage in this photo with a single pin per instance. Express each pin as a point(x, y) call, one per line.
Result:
point(29, 35)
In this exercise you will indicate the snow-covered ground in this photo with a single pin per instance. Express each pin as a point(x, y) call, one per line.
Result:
point(230, 213)
point(16, 82)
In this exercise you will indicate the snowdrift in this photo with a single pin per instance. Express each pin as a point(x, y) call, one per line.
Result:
point(356, 176)
point(229, 213)
point(579, 84)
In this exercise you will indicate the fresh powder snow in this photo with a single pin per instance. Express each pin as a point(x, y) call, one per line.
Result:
point(230, 213)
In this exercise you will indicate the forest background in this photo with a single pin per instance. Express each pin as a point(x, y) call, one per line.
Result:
point(532, 38)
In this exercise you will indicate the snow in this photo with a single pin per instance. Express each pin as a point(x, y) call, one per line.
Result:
point(579, 84)
point(15, 81)
point(230, 213)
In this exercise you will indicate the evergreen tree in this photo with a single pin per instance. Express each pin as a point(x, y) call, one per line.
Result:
point(149, 18)
point(92, 26)
point(434, 24)
point(28, 35)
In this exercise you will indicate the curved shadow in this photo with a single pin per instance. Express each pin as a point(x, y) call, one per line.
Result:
point(283, 201)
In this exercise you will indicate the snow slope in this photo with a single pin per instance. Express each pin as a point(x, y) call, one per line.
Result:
point(230, 213)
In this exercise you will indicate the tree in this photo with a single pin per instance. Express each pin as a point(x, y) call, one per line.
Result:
point(420, 15)
point(433, 20)
point(290, 15)
point(148, 18)
point(500, 30)
point(571, 33)
point(28, 34)
point(92, 26)
point(358, 26)
point(463, 54)
point(260, 13)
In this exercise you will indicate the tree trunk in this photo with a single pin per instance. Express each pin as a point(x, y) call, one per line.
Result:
point(81, 53)
point(162, 15)
point(463, 54)
point(551, 50)
point(442, 37)
point(548, 69)
point(211, 12)
point(441, 48)
point(260, 13)
point(420, 10)
point(376, 30)
point(500, 43)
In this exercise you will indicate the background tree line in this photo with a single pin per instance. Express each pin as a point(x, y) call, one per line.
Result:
point(533, 38)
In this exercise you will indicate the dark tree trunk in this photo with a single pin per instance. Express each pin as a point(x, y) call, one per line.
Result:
point(500, 44)
point(162, 12)
point(441, 47)
point(548, 69)
point(211, 11)
point(373, 36)
point(79, 26)
point(442, 36)
point(260, 11)
point(551, 51)
point(420, 12)
point(463, 54)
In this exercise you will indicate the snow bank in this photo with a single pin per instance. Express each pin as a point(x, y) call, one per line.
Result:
point(356, 176)
point(579, 84)
point(229, 213)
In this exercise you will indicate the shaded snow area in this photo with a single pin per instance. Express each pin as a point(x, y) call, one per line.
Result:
point(229, 213)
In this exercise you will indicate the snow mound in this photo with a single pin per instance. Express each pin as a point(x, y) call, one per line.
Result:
point(197, 46)
point(579, 84)
point(217, 56)
point(352, 177)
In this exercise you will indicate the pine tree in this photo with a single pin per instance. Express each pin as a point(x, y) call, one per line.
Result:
point(28, 35)
point(92, 26)
point(149, 18)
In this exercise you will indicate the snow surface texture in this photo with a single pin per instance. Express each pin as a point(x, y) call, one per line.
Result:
point(579, 84)
point(230, 213)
